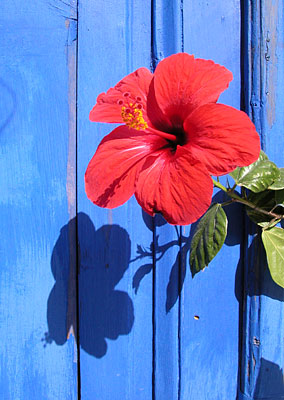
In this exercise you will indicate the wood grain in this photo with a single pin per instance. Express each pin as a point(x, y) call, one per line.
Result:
point(167, 39)
point(262, 362)
point(209, 344)
point(37, 360)
point(115, 283)
point(145, 329)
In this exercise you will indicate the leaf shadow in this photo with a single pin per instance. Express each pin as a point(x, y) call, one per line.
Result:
point(237, 225)
point(179, 267)
point(259, 281)
point(269, 383)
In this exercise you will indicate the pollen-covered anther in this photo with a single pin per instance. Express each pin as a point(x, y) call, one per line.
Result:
point(132, 116)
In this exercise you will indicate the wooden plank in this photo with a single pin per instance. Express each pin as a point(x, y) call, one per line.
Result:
point(262, 363)
point(37, 69)
point(166, 40)
point(115, 323)
point(209, 312)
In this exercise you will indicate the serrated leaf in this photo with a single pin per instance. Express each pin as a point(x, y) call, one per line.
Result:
point(273, 241)
point(208, 238)
point(278, 184)
point(257, 176)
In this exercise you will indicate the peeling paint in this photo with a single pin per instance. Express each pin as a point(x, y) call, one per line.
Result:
point(71, 183)
point(271, 62)
point(109, 217)
point(253, 361)
point(248, 369)
point(71, 163)
point(256, 341)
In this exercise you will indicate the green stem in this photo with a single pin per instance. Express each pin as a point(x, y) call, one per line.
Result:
point(219, 185)
point(239, 199)
point(226, 203)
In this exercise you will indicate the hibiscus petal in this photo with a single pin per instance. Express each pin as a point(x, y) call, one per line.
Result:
point(111, 173)
point(155, 115)
point(133, 86)
point(183, 83)
point(175, 185)
point(222, 137)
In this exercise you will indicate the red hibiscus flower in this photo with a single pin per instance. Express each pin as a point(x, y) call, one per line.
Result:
point(173, 138)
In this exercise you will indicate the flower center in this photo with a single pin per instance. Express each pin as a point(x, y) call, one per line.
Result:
point(180, 137)
point(131, 112)
point(132, 116)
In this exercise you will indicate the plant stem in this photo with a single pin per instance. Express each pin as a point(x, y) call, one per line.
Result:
point(237, 198)
point(219, 185)
point(226, 203)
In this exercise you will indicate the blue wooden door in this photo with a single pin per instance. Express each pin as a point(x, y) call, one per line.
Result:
point(100, 304)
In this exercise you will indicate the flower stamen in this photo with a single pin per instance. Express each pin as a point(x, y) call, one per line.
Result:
point(132, 116)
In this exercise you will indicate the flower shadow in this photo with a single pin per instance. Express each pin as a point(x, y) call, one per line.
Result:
point(104, 312)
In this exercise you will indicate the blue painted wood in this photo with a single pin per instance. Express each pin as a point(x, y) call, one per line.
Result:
point(167, 38)
point(223, 337)
point(261, 375)
point(209, 310)
point(37, 137)
point(115, 280)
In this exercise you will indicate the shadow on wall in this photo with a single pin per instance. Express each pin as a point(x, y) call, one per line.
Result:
point(269, 382)
point(181, 263)
point(104, 257)
point(178, 270)
point(261, 282)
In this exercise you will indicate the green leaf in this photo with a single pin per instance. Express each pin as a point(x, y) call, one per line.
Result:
point(273, 240)
point(238, 171)
point(279, 197)
point(278, 184)
point(269, 224)
point(208, 238)
point(268, 200)
point(257, 176)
